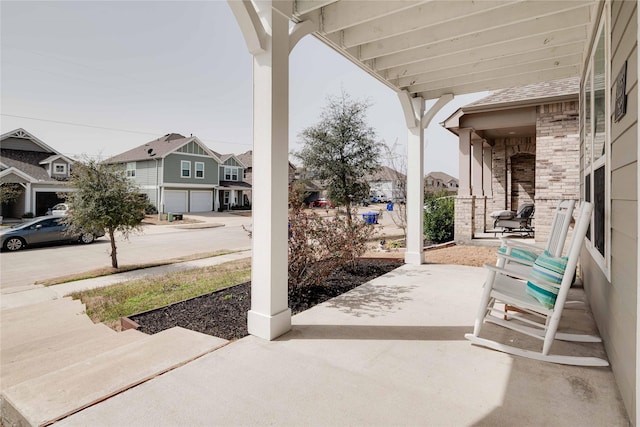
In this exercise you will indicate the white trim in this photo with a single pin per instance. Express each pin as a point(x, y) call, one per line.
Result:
point(14, 170)
point(237, 170)
point(195, 170)
point(603, 262)
point(170, 185)
point(134, 169)
point(203, 146)
point(55, 165)
point(15, 134)
point(182, 169)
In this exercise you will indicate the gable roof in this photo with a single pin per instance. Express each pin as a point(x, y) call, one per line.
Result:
point(385, 173)
point(444, 177)
point(533, 94)
point(27, 162)
point(20, 133)
point(159, 148)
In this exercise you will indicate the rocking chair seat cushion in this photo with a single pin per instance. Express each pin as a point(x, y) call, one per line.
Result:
point(522, 254)
point(547, 271)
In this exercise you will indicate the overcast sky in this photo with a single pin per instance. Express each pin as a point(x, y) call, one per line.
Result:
point(99, 78)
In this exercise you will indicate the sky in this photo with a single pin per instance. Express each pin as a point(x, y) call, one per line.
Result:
point(96, 79)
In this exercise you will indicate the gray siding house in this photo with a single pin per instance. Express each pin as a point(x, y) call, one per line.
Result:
point(177, 173)
point(41, 171)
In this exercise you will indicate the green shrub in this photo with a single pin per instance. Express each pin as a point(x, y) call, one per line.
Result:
point(27, 215)
point(439, 217)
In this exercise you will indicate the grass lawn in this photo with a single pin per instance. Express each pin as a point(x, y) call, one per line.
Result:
point(109, 304)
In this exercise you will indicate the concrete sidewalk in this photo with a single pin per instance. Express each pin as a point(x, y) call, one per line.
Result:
point(38, 293)
point(391, 352)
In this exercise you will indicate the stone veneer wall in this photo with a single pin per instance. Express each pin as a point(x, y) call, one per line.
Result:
point(556, 173)
point(503, 151)
point(557, 161)
point(464, 218)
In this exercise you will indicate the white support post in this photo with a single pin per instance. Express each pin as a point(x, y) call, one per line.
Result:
point(27, 199)
point(477, 169)
point(417, 120)
point(269, 316)
point(415, 188)
point(464, 157)
point(487, 173)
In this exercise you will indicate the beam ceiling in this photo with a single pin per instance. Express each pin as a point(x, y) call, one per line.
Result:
point(432, 47)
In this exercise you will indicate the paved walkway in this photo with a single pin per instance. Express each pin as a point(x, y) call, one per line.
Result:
point(37, 293)
point(391, 352)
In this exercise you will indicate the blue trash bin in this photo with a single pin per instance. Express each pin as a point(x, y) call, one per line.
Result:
point(370, 217)
point(390, 206)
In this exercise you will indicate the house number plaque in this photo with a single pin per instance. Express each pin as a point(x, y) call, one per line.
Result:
point(621, 93)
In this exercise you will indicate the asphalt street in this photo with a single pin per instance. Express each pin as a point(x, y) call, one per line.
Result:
point(155, 243)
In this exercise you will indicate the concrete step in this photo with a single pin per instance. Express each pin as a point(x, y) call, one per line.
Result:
point(48, 398)
point(19, 332)
point(24, 368)
point(35, 310)
point(44, 344)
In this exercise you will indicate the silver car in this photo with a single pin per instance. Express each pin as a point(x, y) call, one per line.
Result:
point(42, 230)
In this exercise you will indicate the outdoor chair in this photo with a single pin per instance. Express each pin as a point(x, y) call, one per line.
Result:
point(540, 297)
point(512, 222)
point(520, 256)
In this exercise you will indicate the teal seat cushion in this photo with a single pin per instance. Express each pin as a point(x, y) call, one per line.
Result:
point(550, 269)
point(520, 254)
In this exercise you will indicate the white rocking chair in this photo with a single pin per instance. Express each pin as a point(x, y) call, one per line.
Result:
point(509, 256)
point(534, 319)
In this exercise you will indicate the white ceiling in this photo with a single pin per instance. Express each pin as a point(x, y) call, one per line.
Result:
point(430, 48)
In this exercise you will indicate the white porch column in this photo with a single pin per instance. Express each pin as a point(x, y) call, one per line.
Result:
point(464, 158)
point(477, 169)
point(417, 120)
point(487, 173)
point(415, 185)
point(28, 202)
point(267, 36)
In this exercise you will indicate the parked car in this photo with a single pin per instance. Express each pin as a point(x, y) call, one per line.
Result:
point(42, 230)
point(60, 209)
point(321, 203)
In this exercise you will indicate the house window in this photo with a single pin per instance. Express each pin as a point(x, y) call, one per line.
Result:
point(185, 169)
point(131, 169)
point(60, 168)
point(199, 170)
point(226, 198)
point(230, 173)
point(596, 140)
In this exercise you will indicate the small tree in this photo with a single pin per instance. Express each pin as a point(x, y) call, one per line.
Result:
point(106, 200)
point(439, 215)
point(9, 192)
point(342, 150)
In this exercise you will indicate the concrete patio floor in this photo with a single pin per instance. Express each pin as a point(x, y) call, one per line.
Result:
point(391, 352)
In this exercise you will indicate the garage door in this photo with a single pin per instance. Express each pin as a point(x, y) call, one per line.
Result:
point(175, 201)
point(201, 201)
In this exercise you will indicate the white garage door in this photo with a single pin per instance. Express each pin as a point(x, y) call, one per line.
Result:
point(201, 201)
point(175, 201)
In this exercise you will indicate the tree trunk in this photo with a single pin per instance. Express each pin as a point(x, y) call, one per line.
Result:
point(114, 256)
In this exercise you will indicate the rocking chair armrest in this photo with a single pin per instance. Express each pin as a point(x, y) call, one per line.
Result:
point(518, 275)
point(506, 241)
point(515, 259)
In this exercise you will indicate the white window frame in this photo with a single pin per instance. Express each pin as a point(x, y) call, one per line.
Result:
point(201, 165)
point(63, 166)
point(131, 169)
point(182, 168)
point(230, 172)
point(591, 164)
point(226, 198)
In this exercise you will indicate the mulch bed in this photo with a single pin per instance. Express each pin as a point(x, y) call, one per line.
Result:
point(224, 313)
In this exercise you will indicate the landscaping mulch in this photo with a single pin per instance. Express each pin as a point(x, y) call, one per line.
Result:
point(224, 313)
